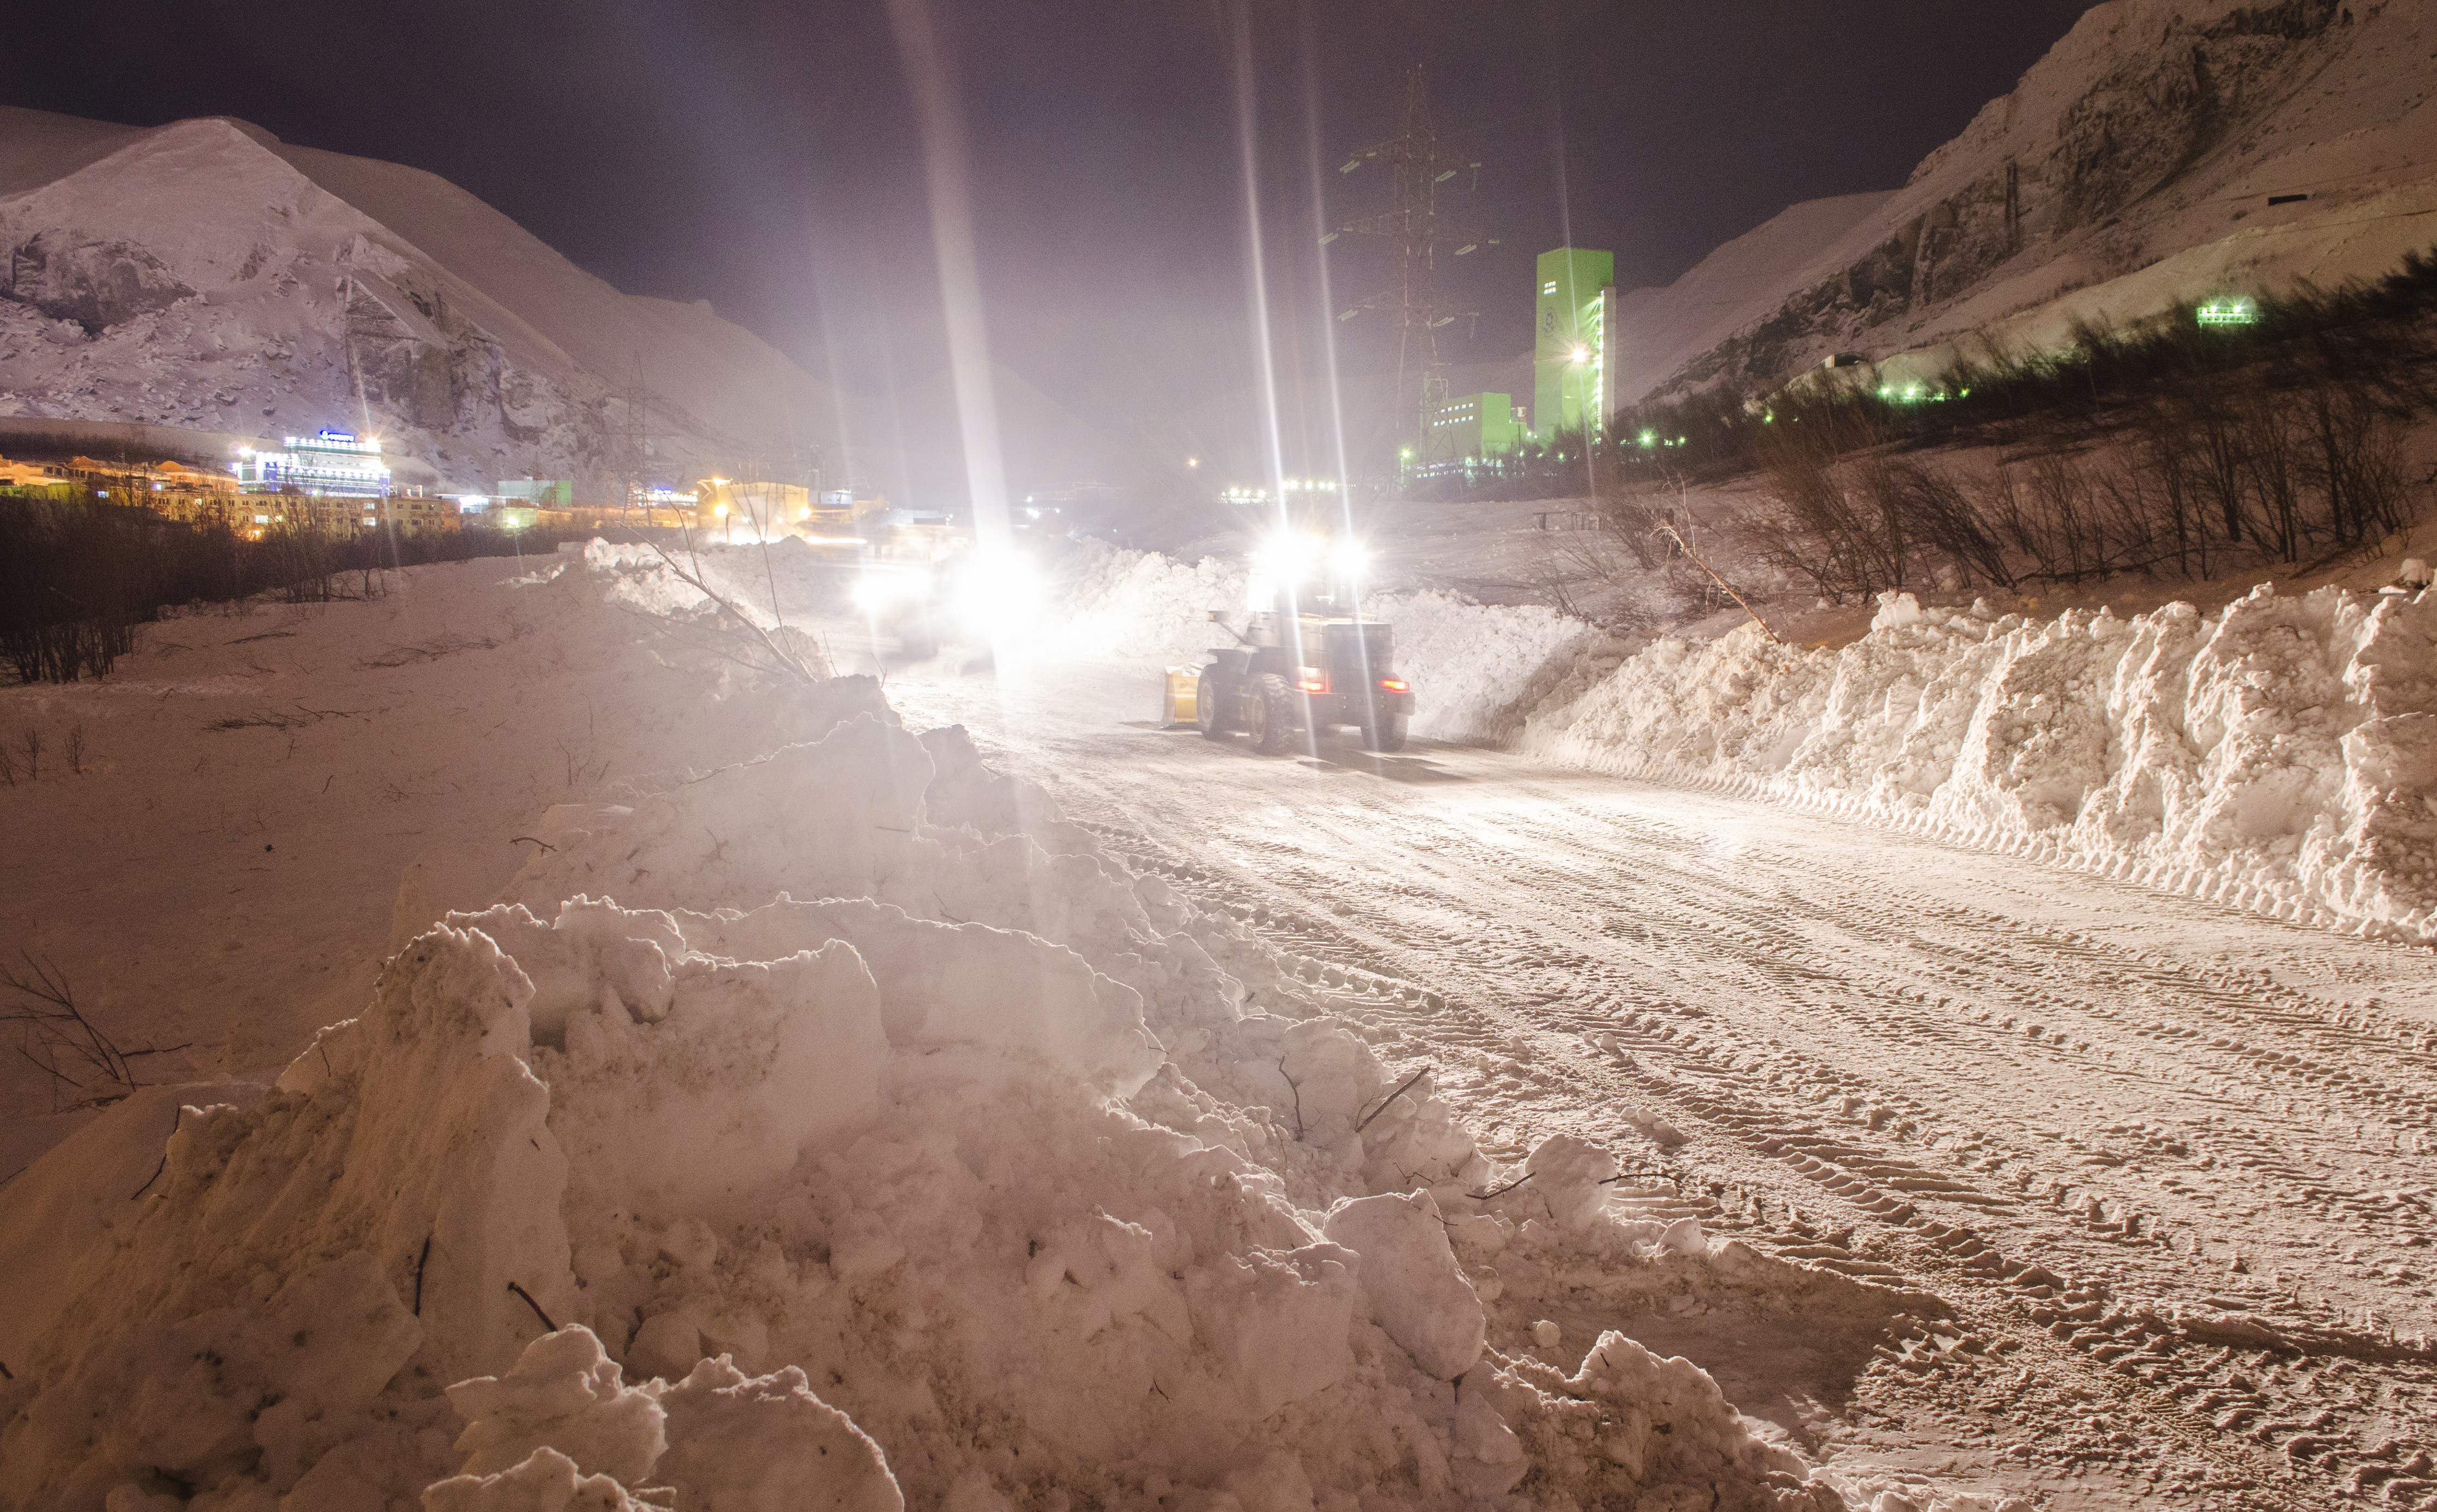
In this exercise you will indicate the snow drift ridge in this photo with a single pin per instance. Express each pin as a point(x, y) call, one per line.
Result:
point(2277, 755)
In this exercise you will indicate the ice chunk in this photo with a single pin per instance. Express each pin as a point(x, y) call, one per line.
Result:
point(1411, 1280)
point(756, 1062)
point(766, 1444)
point(1277, 1321)
point(563, 1392)
point(545, 1481)
point(1896, 609)
point(1570, 1175)
point(946, 984)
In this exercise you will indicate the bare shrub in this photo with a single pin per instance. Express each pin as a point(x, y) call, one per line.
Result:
point(2354, 463)
point(1840, 539)
point(783, 649)
point(2219, 456)
point(2269, 458)
point(85, 1065)
point(1930, 510)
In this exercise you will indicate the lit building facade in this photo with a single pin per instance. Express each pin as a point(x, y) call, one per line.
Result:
point(542, 493)
point(1570, 342)
point(332, 463)
point(1462, 434)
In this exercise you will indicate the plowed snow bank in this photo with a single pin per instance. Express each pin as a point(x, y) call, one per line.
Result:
point(2279, 755)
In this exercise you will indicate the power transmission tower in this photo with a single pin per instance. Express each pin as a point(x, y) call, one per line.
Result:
point(630, 446)
point(1420, 161)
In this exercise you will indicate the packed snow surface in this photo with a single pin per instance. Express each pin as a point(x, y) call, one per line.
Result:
point(836, 1127)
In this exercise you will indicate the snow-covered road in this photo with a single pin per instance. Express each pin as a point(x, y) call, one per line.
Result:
point(2157, 1172)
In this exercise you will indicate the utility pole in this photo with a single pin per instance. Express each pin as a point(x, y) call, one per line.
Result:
point(631, 446)
point(1419, 160)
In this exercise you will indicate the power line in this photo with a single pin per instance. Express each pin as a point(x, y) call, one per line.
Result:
point(1420, 160)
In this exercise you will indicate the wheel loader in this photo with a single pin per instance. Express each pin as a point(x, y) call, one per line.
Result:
point(1303, 663)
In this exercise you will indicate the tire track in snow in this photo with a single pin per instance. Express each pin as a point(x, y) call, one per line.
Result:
point(1908, 1064)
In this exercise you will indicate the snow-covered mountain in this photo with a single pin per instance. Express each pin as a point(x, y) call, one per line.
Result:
point(205, 275)
point(2132, 166)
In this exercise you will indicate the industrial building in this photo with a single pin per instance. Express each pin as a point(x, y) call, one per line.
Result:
point(1460, 435)
point(542, 493)
point(330, 464)
point(1570, 340)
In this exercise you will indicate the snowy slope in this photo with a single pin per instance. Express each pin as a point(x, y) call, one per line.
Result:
point(1659, 331)
point(2131, 167)
point(203, 275)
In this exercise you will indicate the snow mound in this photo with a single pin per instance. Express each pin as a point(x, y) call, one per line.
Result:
point(836, 1122)
point(2277, 755)
point(1475, 668)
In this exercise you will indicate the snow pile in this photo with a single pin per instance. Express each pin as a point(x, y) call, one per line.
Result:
point(1474, 667)
point(882, 1140)
point(2278, 755)
point(563, 1429)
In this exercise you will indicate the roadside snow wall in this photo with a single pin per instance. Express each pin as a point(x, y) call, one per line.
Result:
point(1475, 668)
point(2280, 755)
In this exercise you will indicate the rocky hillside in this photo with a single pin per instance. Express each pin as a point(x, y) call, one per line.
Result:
point(2134, 165)
point(206, 276)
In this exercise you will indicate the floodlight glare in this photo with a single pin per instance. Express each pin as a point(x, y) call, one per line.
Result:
point(1348, 560)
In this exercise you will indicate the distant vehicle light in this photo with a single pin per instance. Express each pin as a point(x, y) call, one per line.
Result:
point(1394, 684)
point(1310, 679)
point(881, 589)
point(995, 591)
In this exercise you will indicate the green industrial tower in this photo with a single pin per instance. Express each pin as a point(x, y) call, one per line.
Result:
point(1569, 341)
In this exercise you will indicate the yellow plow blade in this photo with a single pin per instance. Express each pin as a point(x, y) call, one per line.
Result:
point(1176, 706)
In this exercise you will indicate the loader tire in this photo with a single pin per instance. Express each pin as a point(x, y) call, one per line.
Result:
point(1208, 711)
point(1272, 724)
point(1384, 732)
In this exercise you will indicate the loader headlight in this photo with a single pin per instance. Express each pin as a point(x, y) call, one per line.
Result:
point(1286, 560)
point(1348, 562)
point(1286, 557)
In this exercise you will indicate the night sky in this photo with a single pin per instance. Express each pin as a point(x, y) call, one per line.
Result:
point(765, 156)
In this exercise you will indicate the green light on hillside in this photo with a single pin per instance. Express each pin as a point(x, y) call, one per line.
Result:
point(1649, 438)
point(2227, 312)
